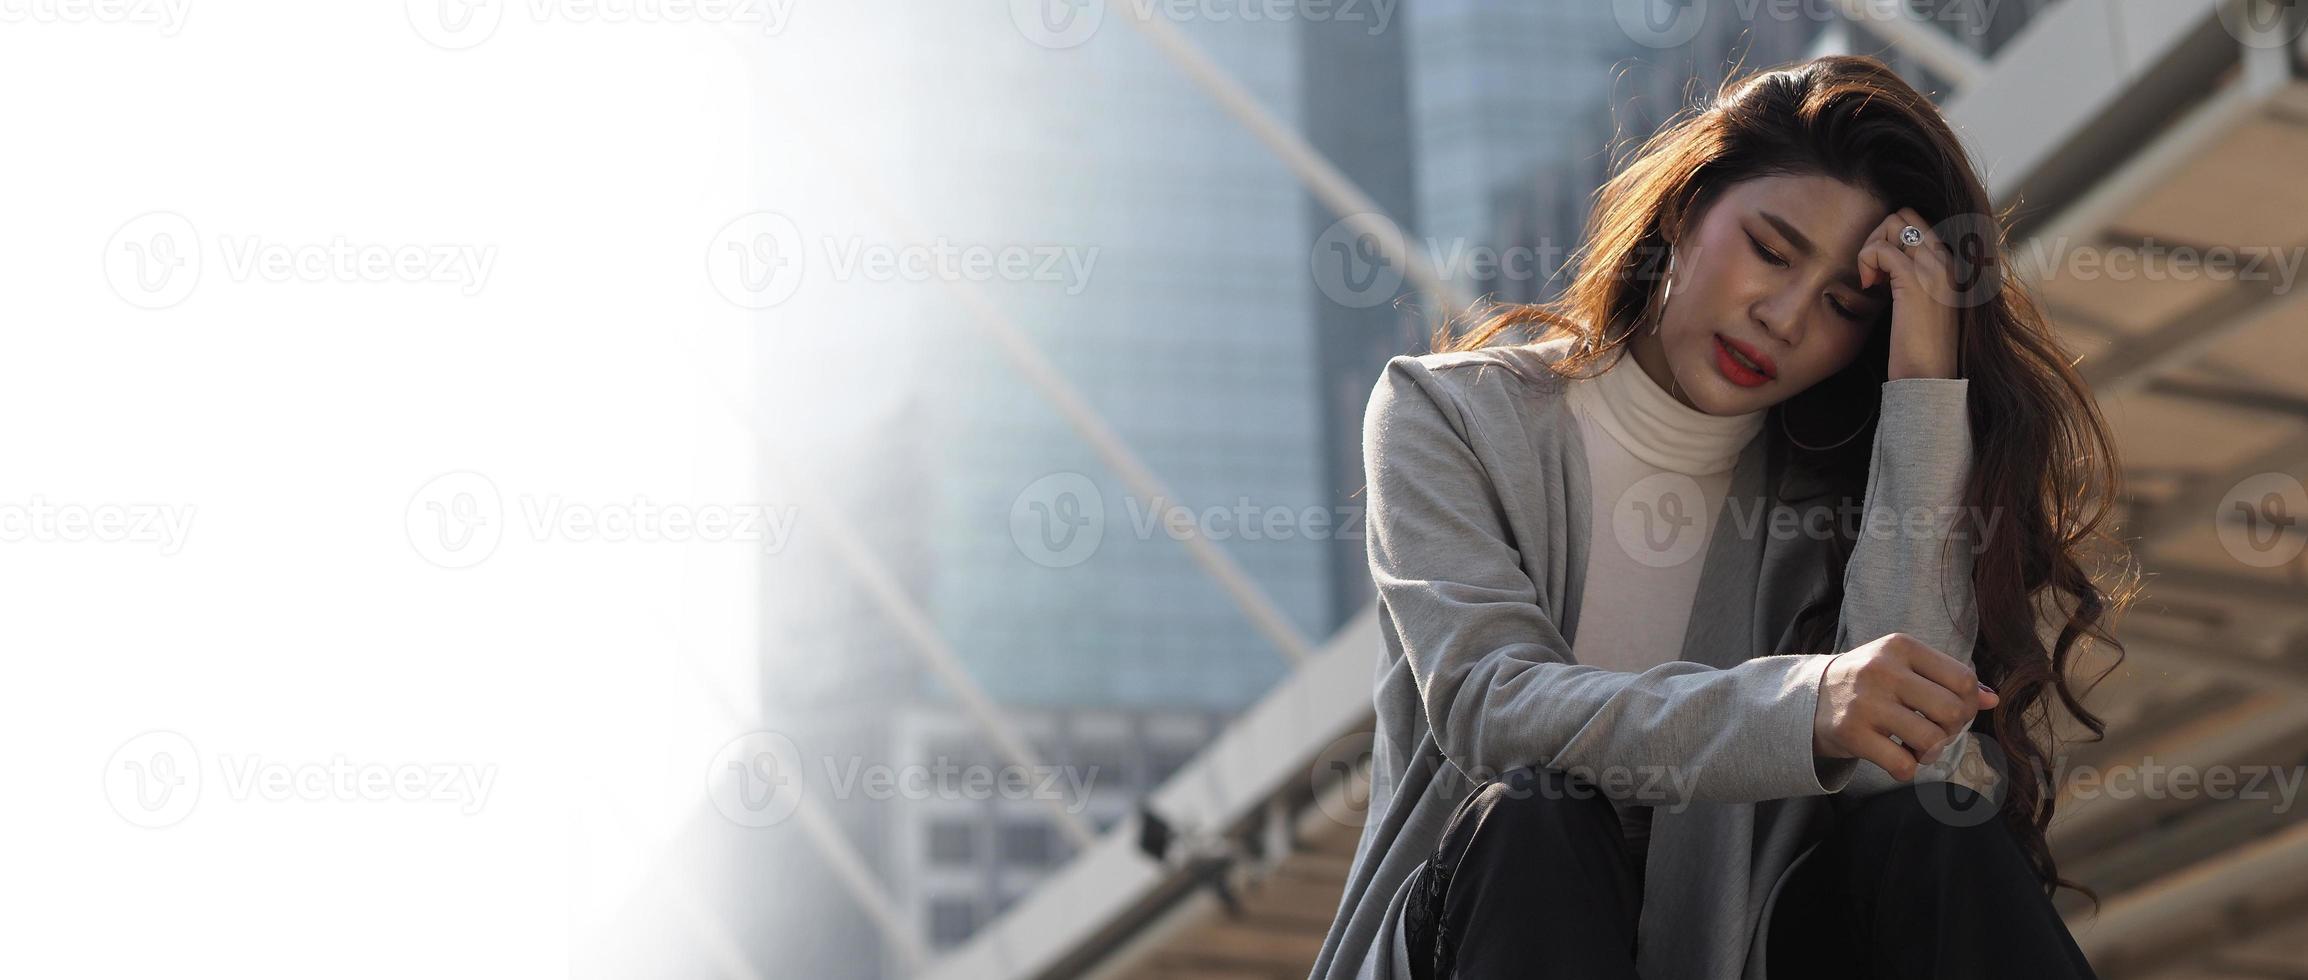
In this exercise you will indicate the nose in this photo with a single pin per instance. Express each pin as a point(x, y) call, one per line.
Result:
point(1775, 314)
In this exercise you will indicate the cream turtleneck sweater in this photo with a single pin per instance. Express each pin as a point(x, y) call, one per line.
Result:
point(1660, 470)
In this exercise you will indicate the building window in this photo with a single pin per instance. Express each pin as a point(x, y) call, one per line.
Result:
point(1028, 844)
point(1099, 765)
point(952, 920)
point(1164, 761)
point(953, 843)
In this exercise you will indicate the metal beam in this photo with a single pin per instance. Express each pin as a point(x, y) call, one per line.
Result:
point(1072, 406)
point(2248, 673)
point(2192, 901)
point(912, 622)
point(1899, 24)
point(2131, 364)
point(2198, 505)
point(1323, 179)
point(2244, 398)
point(2244, 732)
point(2255, 596)
point(1088, 910)
point(888, 592)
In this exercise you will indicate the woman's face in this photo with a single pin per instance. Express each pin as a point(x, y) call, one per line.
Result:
point(1771, 270)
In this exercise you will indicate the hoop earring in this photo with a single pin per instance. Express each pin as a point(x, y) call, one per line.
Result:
point(1668, 295)
point(1818, 449)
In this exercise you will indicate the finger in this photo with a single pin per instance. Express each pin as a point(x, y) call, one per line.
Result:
point(1932, 262)
point(1934, 255)
point(1887, 230)
point(1886, 262)
point(1920, 734)
point(1932, 244)
point(1951, 713)
point(1878, 748)
point(1954, 675)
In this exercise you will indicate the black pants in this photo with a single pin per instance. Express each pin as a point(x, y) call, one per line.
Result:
point(1531, 880)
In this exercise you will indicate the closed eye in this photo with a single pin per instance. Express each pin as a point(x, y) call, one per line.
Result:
point(1767, 254)
point(1774, 259)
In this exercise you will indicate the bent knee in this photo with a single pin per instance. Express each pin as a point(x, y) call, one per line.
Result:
point(1932, 808)
point(1530, 801)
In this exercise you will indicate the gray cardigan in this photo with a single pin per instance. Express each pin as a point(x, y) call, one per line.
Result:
point(1477, 537)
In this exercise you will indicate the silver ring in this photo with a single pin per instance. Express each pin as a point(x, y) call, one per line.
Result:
point(1911, 236)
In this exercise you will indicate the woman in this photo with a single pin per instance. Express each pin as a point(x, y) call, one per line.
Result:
point(1658, 700)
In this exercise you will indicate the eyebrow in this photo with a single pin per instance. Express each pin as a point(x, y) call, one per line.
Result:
point(1803, 244)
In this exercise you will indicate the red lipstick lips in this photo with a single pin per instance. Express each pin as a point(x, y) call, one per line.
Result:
point(1728, 354)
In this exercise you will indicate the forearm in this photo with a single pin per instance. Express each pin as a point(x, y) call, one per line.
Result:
point(1911, 569)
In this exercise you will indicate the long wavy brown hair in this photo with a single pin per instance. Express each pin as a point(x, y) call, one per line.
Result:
point(2046, 474)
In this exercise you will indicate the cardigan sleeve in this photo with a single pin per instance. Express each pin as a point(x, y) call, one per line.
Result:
point(1494, 676)
point(1911, 568)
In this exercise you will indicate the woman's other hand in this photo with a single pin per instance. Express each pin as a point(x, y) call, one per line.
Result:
point(1924, 296)
point(1895, 686)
